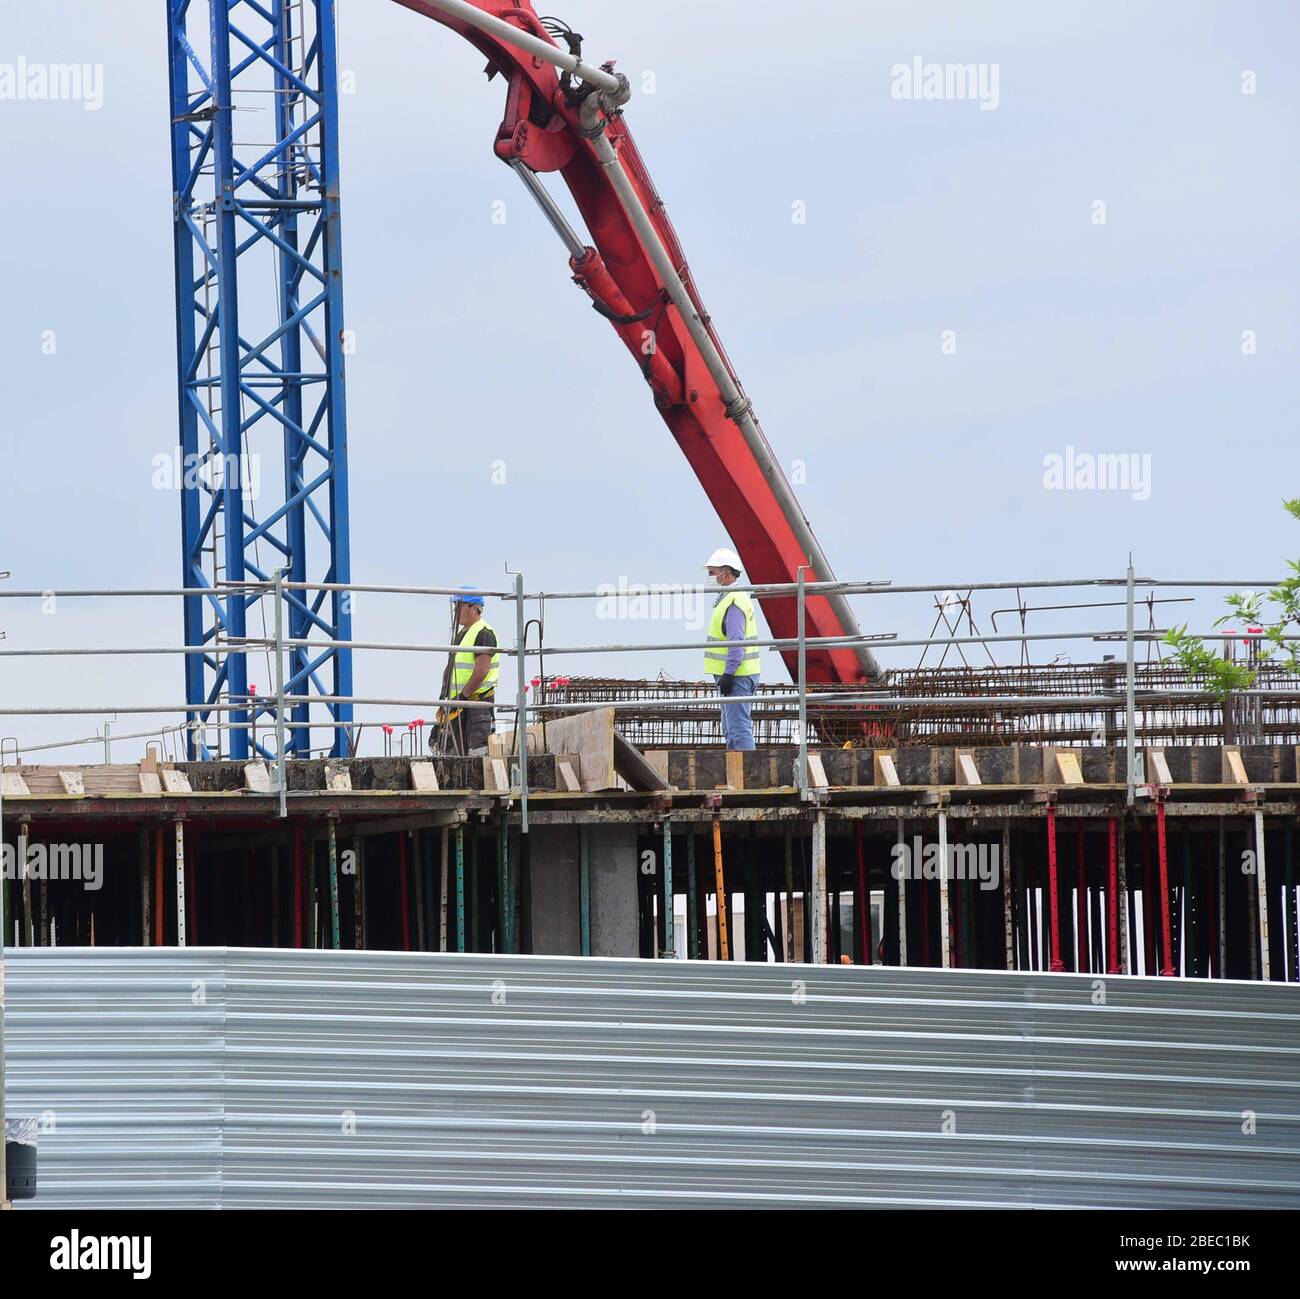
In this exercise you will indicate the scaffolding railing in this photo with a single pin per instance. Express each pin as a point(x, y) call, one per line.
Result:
point(943, 705)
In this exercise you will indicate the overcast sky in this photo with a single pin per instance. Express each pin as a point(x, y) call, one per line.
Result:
point(926, 221)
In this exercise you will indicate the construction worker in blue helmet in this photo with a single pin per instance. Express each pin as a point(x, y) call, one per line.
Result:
point(731, 658)
point(470, 678)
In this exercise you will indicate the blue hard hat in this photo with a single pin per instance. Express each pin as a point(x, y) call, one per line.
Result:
point(471, 595)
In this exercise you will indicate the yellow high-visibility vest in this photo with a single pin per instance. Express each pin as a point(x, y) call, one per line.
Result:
point(715, 657)
point(462, 664)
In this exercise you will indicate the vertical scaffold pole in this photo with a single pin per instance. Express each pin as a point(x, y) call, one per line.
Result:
point(1261, 889)
point(1082, 961)
point(359, 895)
point(27, 933)
point(160, 929)
point(864, 895)
point(902, 896)
point(180, 882)
point(817, 917)
point(788, 844)
point(460, 888)
point(670, 944)
point(444, 875)
point(1125, 945)
point(503, 886)
point(1054, 900)
point(521, 701)
point(1112, 898)
point(335, 936)
point(1223, 899)
point(1008, 890)
point(1289, 908)
point(1162, 850)
point(720, 887)
point(945, 938)
point(146, 920)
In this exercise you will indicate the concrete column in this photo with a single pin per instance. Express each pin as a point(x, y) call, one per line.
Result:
point(817, 903)
point(1261, 884)
point(614, 930)
point(554, 899)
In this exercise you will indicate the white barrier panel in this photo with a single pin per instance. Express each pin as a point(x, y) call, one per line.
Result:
point(263, 1078)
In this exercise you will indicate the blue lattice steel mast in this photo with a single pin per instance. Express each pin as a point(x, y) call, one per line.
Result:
point(260, 345)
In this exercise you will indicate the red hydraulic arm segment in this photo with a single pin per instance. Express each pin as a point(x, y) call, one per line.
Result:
point(555, 122)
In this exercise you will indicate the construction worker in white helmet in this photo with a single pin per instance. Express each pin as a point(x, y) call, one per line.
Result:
point(732, 654)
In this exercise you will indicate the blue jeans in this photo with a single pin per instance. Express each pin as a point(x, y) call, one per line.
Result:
point(736, 724)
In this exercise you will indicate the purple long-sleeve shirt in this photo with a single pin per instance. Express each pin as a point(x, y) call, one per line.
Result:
point(733, 628)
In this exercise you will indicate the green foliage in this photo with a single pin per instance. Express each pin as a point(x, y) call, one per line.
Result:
point(1221, 676)
point(1245, 606)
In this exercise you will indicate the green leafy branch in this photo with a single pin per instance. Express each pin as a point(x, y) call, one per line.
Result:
point(1222, 676)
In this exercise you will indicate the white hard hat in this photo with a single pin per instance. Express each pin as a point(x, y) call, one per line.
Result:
point(722, 557)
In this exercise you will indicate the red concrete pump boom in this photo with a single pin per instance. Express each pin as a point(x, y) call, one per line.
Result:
point(635, 274)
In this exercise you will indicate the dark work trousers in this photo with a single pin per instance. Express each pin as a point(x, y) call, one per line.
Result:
point(473, 727)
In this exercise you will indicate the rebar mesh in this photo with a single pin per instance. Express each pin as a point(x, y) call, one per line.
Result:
point(1181, 716)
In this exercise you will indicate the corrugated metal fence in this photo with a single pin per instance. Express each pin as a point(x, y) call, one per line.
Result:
point(257, 1078)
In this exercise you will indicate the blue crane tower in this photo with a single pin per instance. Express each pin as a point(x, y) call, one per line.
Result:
point(260, 346)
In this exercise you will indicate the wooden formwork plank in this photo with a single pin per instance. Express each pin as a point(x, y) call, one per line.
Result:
point(257, 778)
point(1233, 770)
point(424, 777)
point(630, 763)
point(1061, 766)
point(338, 778)
point(72, 782)
point(12, 785)
point(496, 778)
point(967, 771)
point(1158, 768)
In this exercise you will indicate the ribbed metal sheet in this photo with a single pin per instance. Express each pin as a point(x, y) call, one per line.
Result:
point(254, 1078)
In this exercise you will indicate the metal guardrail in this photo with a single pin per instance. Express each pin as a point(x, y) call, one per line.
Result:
point(242, 714)
point(172, 1078)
